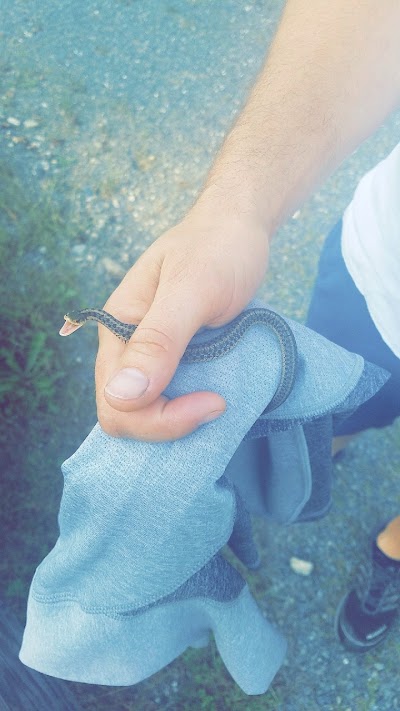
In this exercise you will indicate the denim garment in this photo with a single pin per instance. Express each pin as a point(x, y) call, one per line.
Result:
point(136, 575)
point(350, 325)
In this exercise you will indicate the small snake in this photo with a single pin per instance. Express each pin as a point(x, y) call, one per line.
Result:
point(215, 347)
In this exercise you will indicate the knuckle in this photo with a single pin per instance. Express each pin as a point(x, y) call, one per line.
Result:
point(131, 312)
point(150, 341)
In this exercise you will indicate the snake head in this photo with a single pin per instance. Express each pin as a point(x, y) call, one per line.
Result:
point(72, 323)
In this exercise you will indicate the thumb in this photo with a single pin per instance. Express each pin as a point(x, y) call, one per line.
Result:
point(148, 362)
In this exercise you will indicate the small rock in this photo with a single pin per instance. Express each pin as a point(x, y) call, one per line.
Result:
point(13, 121)
point(31, 123)
point(301, 567)
point(78, 249)
point(112, 267)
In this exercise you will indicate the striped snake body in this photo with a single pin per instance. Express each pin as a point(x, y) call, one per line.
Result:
point(215, 347)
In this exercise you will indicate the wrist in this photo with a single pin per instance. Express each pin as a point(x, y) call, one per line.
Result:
point(223, 202)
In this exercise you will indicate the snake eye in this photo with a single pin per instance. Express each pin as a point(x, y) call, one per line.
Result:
point(73, 317)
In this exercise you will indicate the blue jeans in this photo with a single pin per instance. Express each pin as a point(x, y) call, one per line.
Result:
point(339, 312)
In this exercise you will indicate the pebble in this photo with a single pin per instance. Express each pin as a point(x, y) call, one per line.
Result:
point(301, 567)
point(78, 249)
point(12, 121)
point(112, 267)
point(31, 123)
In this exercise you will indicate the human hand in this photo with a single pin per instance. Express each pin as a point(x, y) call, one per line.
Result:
point(202, 272)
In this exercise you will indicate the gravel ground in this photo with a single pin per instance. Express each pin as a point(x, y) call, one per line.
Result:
point(116, 108)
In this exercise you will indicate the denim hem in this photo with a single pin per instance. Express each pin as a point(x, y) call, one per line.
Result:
point(102, 650)
point(363, 382)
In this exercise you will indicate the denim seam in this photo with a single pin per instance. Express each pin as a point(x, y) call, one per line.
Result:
point(120, 616)
point(59, 597)
point(194, 598)
point(308, 417)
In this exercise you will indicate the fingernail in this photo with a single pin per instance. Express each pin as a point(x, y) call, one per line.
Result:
point(211, 416)
point(128, 384)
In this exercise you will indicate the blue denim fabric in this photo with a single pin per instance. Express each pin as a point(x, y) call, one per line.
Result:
point(136, 575)
point(339, 312)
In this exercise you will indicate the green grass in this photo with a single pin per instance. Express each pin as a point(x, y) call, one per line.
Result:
point(35, 277)
point(37, 281)
point(196, 680)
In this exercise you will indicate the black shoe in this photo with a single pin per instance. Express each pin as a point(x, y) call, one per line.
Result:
point(365, 615)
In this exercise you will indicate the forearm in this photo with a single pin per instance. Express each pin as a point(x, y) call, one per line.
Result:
point(331, 77)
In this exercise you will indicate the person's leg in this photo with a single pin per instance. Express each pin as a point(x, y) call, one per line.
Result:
point(366, 613)
point(338, 311)
point(388, 540)
point(340, 442)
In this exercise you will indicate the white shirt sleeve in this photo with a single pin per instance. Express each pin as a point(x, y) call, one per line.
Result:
point(371, 245)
